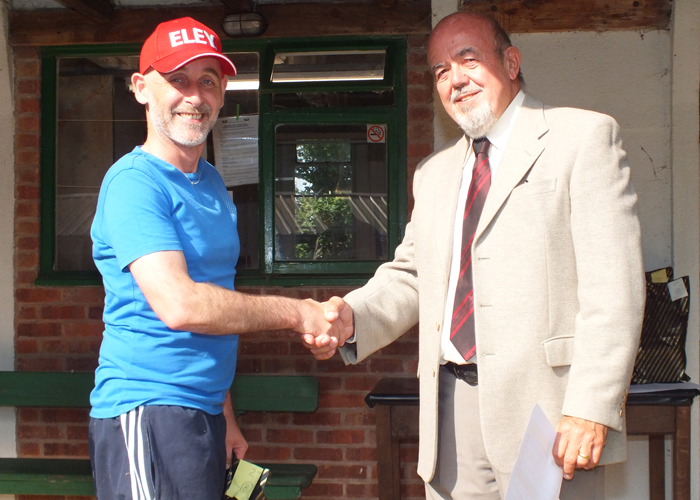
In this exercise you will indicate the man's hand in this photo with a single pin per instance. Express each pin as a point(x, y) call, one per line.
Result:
point(339, 315)
point(578, 445)
point(235, 442)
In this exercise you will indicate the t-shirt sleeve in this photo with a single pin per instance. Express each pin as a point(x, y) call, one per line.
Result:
point(137, 217)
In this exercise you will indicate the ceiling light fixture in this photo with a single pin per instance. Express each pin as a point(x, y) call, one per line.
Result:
point(246, 24)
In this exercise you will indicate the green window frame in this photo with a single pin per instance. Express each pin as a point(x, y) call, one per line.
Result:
point(269, 271)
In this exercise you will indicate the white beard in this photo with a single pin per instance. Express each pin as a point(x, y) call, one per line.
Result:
point(474, 120)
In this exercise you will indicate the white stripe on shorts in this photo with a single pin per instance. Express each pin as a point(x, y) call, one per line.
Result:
point(138, 465)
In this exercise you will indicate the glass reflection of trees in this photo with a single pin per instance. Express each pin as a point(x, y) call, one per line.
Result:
point(323, 174)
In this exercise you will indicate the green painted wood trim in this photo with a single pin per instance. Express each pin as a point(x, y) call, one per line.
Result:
point(65, 476)
point(283, 393)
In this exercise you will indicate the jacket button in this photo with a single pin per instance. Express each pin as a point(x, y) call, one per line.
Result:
point(433, 372)
point(437, 326)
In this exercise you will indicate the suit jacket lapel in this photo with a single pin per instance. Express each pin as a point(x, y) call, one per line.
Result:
point(526, 143)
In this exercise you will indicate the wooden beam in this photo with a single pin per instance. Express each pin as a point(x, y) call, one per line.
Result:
point(98, 11)
point(532, 16)
point(42, 28)
point(238, 5)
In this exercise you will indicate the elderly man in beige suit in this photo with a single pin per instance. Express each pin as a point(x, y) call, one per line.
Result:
point(557, 294)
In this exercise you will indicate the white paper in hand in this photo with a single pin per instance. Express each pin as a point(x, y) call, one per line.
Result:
point(535, 475)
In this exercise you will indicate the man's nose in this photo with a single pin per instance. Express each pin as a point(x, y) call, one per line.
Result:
point(193, 95)
point(459, 76)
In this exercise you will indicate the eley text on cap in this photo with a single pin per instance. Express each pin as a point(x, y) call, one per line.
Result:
point(178, 42)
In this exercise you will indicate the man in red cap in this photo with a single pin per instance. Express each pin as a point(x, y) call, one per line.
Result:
point(165, 241)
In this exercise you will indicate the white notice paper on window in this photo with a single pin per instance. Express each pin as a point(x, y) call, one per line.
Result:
point(236, 149)
point(535, 475)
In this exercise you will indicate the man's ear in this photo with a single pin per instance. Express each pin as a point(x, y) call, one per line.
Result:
point(511, 57)
point(138, 84)
point(224, 84)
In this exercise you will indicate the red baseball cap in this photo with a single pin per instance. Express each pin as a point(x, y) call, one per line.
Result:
point(178, 42)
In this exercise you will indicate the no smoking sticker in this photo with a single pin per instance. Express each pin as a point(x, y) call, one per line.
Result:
point(376, 133)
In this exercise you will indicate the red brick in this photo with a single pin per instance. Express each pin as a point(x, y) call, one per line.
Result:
point(43, 294)
point(316, 454)
point(29, 450)
point(266, 453)
point(62, 312)
point(27, 259)
point(263, 348)
point(24, 346)
point(25, 68)
point(29, 86)
point(288, 436)
point(361, 454)
point(317, 418)
point(38, 329)
point(342, 472)
point(359, 418)
point(66, 450)
point(77, 432)
point(26, 208)
point(27, 243)
point(27, 140)
point(419, 149)
point(360, 383)
point(68, 415)
point(39, 432)
point(341, 436)
point(417, 60)
point(95, 312)
point(28, 123)
point(26, 226)
point(27, 415)
point(83, 329)
point(414, 41)
point(324, 491)
point(27, 157)
point(420, 95)
point(39, 365)
point(341, 400)
point(88, 364)
point(364, 490)
point(25, 277)
point(84, 294)
point(28, 105)
point(25, 52)
point(420, 113)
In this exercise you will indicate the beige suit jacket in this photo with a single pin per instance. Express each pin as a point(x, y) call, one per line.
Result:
point(558, 281)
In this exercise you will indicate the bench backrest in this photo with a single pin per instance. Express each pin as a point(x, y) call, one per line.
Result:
point(284, 393)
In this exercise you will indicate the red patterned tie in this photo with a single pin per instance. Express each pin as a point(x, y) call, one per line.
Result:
point(462, 330)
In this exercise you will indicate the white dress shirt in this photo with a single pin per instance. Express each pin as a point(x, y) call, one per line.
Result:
point(498, 136)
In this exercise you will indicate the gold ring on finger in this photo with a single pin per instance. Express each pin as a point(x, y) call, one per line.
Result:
point(585, 457)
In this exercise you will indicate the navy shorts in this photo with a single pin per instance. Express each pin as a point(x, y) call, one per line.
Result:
point(159, 452)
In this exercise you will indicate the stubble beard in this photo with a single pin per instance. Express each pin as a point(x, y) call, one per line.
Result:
point(476, 120)
point(184, 134)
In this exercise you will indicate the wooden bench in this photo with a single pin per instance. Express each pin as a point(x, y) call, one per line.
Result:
point(67, 476)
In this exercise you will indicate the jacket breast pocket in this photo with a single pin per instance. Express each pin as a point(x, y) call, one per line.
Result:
point(531, 188)
point(559, 350)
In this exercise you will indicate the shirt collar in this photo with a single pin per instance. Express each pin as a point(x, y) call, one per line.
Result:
point(499, 134)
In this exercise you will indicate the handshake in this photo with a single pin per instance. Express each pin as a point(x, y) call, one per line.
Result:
point(325, 326)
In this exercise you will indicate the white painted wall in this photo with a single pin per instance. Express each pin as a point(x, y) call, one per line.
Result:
point(648, 81)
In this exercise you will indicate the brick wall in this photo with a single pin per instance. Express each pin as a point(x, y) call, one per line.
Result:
point(59, 329)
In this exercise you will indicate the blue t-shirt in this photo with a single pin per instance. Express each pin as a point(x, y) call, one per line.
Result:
point(147, 205)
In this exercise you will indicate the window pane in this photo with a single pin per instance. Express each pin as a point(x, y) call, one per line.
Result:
point(330, 193)
point(329, 66)
point(333, 99)
point(98, 121)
